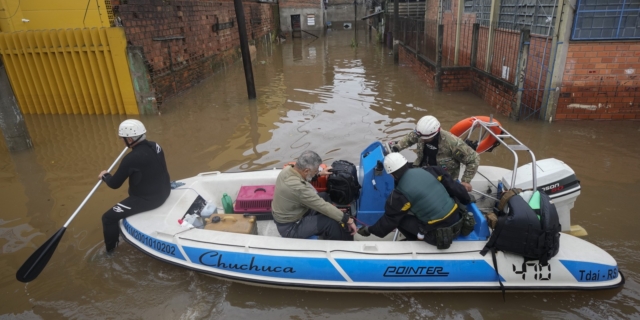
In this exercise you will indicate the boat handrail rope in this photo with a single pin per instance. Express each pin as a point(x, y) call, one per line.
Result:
point(518, 146)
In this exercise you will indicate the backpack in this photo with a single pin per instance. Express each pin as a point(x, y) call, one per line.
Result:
point(342, 184)
point(533, 234)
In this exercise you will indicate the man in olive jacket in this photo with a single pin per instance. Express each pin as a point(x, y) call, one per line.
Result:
point(299, 211)
point(440, 148)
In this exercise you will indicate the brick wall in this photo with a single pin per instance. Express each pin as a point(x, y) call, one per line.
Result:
point(498, 94)
point(175, 65)
point(601, 81)
point(456, 79)
point(424, 70)
point(453, 78)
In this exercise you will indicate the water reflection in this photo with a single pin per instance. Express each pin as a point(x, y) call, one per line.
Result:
point(13, 237)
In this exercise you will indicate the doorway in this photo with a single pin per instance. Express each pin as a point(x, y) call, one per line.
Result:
point(295, 26)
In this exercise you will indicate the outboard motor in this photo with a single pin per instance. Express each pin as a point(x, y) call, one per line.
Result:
point(556, 179)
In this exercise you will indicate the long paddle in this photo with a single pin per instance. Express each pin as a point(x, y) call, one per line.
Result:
point(39, 259)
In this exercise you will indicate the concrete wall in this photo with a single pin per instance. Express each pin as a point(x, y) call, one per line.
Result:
point(340, 13)
point(176, 64)
point(12, 123)
point(145, 95)
point(303, 8)
point(285, 19)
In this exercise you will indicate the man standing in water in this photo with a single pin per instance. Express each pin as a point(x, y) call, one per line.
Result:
point(149, 184)
point(299, 211)
point(440, 148)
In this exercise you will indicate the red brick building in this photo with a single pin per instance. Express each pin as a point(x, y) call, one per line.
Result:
point(183, 42)
point(601, 81)
point(581, 60)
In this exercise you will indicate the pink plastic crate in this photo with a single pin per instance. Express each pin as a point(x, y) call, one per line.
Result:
point(254, 199)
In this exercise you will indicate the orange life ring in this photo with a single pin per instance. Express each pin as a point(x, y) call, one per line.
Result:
point(320, 183)
point(461, 127)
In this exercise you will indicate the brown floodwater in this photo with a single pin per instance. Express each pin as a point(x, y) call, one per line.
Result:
point(321, 95)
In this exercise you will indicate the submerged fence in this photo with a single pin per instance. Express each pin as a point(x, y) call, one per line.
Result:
point(456, 43)
point(496, 49)
point(502, 58)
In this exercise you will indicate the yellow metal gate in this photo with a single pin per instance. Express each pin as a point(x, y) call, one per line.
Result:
point(79, 71)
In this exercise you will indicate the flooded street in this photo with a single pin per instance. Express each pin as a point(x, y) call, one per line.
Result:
point(321, 95)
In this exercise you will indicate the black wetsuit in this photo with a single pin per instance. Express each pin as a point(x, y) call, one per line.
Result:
point(149, 187)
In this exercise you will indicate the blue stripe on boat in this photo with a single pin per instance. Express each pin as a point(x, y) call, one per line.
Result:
point(271, 266)
point(395, 270)
point(589, 271)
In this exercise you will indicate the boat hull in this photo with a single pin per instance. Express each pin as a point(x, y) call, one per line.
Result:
point(375, 265)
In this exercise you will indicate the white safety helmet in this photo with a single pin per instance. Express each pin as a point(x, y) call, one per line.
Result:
point(131, 128)
point(428, 127)
point(393, 162)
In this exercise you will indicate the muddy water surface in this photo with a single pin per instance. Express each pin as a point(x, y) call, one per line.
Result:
point(321, 95)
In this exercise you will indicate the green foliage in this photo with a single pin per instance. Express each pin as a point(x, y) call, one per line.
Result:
point(379, 37)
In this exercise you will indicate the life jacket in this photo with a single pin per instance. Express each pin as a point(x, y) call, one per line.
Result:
point(342, 184)
point(533, 234)
point(429, 200)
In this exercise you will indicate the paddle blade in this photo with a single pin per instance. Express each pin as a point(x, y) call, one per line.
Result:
point(39, 259)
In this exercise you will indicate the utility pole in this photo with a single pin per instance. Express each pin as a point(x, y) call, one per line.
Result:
point(244, 48)
point(355, 22)
point(396, 30)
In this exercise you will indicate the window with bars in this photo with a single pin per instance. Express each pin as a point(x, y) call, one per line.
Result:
point(446, 5)
point(607, 20)
point(482, 8)
point(538, 15)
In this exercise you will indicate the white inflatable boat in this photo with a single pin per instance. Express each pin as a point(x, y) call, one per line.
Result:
point(373, 264)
